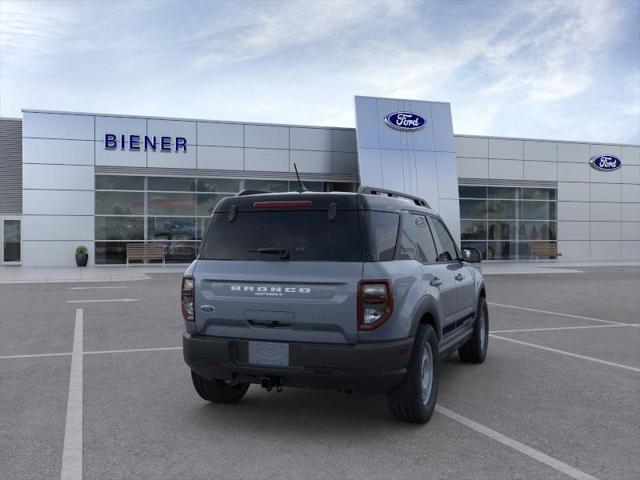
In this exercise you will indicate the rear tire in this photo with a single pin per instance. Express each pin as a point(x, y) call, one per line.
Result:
point(218, 391)
point(415, 399)
point(475, 349)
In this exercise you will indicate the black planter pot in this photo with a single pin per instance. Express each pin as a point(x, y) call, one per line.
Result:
point(82, 259)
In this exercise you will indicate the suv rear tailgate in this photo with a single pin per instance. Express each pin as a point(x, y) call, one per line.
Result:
point(286, 301)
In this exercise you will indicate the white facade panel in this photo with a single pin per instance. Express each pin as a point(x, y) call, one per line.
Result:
point(630, 174)
point(569, 191)
point(630, 230)
point(367, 123)
point(57, 177)
point(220, 158)
point(262, 136)
point(540, 171)
point(120, 126)
point(425, 139)
point(344, 141)
point(630, 155)
point(53, 253)
point(172, 128)
point(574, 251)
point(426, 163)
point(119, 157)
point(605, 250)
point(57, 227)
point(447, 175)
point(264, 159)
point(57, 202)
point(311, 161)
point(173, 159)
point(630, 193)
point(605, 192)
point(69, 152)
point(596, 176)
point(310, 139)
point(449, 208)
point(596, 149)
point(573, 172)
point(390, 138)
point(506, 169)
point(220, 134)
point(604, 212)
point(343, 162)
point(54, 125)
point(573, 152)
point(370, 166)
point(631, 212)
point(573, 231)
point(630, 250)
point(473, 167)
point(605, 230)
point(574, 211)
point(546, 151)
point(472, 147)
point(442, 127)
point(392, 170)
point(506, 149)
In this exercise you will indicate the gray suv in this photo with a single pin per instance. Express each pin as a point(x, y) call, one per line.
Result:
point(348, 291)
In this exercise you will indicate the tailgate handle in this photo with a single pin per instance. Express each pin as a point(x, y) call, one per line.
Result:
point(269, 323)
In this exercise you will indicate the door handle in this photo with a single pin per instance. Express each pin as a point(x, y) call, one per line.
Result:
point(459, 277)
point(435, 282)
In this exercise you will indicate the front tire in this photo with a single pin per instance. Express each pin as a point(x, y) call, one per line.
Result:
point(415, 399)
point(475, 349)
point(218, 391)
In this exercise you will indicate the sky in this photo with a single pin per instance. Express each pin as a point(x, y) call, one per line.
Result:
point(540, 69)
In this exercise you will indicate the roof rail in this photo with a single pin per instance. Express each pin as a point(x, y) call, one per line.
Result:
point(390, 193)
point(250, 192)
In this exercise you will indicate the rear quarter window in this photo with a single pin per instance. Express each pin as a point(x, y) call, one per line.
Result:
point(381, 231)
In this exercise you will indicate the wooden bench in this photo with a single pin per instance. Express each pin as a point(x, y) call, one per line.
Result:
point(545, 249)
point(142, 252)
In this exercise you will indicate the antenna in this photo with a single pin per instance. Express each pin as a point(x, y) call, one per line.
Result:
point(301, 187)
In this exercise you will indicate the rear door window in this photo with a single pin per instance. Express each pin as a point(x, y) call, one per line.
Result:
point(447, 250)
point(416, 242)
point(284, 236)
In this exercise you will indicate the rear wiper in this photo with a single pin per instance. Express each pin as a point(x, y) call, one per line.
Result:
point(283, 252)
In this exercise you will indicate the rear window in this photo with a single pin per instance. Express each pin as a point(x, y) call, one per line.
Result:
point(284, 236)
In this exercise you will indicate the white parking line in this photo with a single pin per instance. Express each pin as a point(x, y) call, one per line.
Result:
point(72, 450)
point(105, 300)
point(514, 444)
point(556, 313)
point(158, 349)
point(34, 355)
point(569, 354)
point(95, 288)
point(564, 328)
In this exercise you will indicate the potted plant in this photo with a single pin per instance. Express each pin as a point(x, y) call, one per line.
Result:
point(82, 256)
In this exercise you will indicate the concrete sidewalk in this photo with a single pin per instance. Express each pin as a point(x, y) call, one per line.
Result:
point(11, 274)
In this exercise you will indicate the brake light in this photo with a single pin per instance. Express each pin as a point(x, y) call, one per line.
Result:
point(375, 303)
point(187, 296)
point(283, 204)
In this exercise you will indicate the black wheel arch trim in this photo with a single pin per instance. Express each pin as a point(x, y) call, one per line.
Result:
point(427, 306)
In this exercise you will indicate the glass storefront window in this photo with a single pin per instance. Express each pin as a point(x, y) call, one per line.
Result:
point(171, 228)
point(171, 204)
point(119, 203)
point(267, 185)
point(119, 182)
point(207, 203)
point(217, 185)
point(503, 222)
point(177, 184)
point(119, 228)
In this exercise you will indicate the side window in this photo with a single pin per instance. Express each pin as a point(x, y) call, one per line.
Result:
point(447, 251)
point(382, 228)
point(415, 239)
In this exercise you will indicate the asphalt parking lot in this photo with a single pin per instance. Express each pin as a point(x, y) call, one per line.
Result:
point(98, 389)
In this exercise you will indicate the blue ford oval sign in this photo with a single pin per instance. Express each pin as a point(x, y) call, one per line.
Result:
point(405, 121)
point(605, 163)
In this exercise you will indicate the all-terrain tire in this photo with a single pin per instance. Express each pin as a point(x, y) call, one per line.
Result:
point(218, 391)
point(414, 401)
point(474, 350)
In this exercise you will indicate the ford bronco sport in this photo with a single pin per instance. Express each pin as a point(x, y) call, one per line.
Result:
point(349, 291)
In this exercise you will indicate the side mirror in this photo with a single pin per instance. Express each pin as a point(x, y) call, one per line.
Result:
point(471, 255)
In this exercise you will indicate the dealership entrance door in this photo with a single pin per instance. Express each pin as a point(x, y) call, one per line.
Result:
point(10, 234)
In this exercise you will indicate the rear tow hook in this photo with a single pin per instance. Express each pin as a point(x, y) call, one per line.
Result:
point(268, 383)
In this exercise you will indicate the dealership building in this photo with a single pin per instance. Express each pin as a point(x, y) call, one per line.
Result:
point(111, 181)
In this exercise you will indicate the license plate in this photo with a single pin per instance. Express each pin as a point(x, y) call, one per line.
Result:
point(268, 353)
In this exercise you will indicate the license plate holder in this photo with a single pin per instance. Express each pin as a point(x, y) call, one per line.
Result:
point(269, 353)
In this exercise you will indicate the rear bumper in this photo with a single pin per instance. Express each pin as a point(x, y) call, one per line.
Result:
point(364, 367)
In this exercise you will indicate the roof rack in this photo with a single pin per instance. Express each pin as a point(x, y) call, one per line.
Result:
point(390, 193)
point(250, 192)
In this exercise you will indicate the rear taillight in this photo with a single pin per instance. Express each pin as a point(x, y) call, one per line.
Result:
point(375, 303)
point(187, 299)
